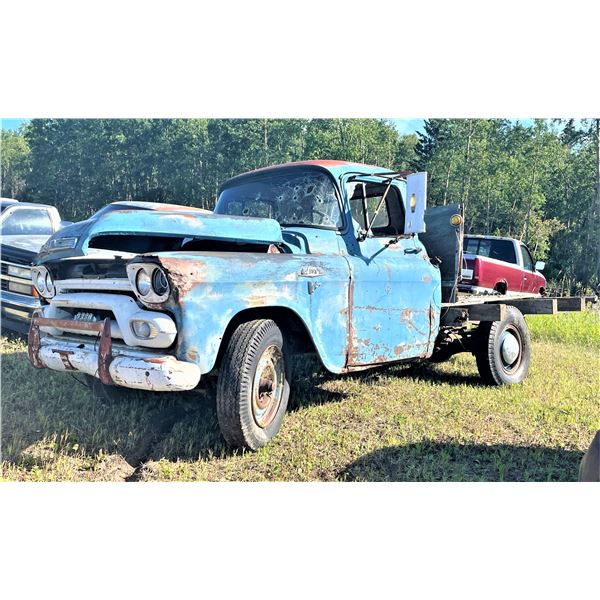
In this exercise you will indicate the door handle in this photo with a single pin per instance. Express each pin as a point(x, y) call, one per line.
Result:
point(412, 250)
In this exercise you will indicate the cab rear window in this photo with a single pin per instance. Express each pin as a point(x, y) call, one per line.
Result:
point(503, 250)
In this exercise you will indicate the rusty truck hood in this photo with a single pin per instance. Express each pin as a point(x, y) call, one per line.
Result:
point(188, 224)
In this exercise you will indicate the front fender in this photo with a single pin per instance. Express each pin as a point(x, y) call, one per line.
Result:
point(210, 289)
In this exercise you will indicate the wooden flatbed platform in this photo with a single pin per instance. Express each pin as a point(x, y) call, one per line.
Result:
point(493, 307)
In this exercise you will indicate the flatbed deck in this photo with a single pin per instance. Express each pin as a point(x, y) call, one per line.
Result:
point(492, 307)
point(464, 299)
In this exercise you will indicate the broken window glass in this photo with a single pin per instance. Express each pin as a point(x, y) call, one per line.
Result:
point(305, 197)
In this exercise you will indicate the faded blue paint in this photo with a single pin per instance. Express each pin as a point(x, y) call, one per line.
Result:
point(396, 301)
point(215, 286)
point(187, 224)
point(362, 302)
point(371, 302)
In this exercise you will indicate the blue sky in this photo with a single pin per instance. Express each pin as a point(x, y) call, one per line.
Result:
point(12, 124)
point(408, 125)
point(403, 125)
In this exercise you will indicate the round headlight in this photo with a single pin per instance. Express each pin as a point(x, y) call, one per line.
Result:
point(49, 284)
point(143, 282)
point(160, 285)
point(144, 329)
point(40, 282)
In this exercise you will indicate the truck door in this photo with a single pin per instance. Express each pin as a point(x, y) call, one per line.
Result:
point(393, 285)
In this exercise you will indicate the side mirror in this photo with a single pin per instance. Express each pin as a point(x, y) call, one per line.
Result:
point(416, 202)
point(540, 265)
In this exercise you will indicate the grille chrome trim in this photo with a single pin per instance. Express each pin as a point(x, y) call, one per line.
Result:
point(120, 284)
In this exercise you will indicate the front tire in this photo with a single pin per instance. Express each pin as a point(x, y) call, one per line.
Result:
point(503, 353)
point(253, 387)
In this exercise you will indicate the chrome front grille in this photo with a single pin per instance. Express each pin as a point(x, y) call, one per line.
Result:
point(80, 284)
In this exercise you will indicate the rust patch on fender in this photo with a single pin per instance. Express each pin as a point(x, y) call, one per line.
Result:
point(184, 274)
point(255, 301)
point(406, 316)
point(192, 355)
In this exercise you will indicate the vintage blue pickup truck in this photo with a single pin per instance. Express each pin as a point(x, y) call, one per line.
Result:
point(327, 257)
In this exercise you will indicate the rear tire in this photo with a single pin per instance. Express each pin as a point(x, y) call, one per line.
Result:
point(253, 387)
point(503, 353)
point(501, 287)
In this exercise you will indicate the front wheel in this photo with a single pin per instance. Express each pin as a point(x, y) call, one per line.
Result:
point(503, 353)
point(253, 387)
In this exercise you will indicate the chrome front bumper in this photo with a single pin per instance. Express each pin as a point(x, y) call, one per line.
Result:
point(113, 364)
point(17, 309)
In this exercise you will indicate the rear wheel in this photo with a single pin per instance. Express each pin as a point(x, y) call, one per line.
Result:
point(503, 353)
point(501, 287)
point(253, 387)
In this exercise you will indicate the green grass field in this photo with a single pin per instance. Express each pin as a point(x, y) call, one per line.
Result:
point(426, 423)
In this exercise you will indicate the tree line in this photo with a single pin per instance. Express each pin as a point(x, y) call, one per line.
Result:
point(540, 182)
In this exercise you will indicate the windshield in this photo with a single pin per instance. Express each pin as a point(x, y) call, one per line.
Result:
point(301, 197)
point(27, 221)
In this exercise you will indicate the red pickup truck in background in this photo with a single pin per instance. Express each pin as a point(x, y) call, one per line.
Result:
point(499, 265)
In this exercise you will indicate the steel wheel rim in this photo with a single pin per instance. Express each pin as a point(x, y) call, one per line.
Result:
point(267, 388)
point(510, 349)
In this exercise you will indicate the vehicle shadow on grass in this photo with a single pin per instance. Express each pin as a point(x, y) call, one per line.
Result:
point(56, 415)
point(310, 377)
point(430, 461)
point(47, 416)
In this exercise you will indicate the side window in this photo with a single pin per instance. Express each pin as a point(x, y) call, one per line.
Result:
point(484, 247)
point(471, 245)
point(503, 250)
point(27, 221)
point(382, 221)
point(357, 210)
point(364, 202)
point(527, 260)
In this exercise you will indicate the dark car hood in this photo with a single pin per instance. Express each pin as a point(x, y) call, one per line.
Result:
point(77, 231)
